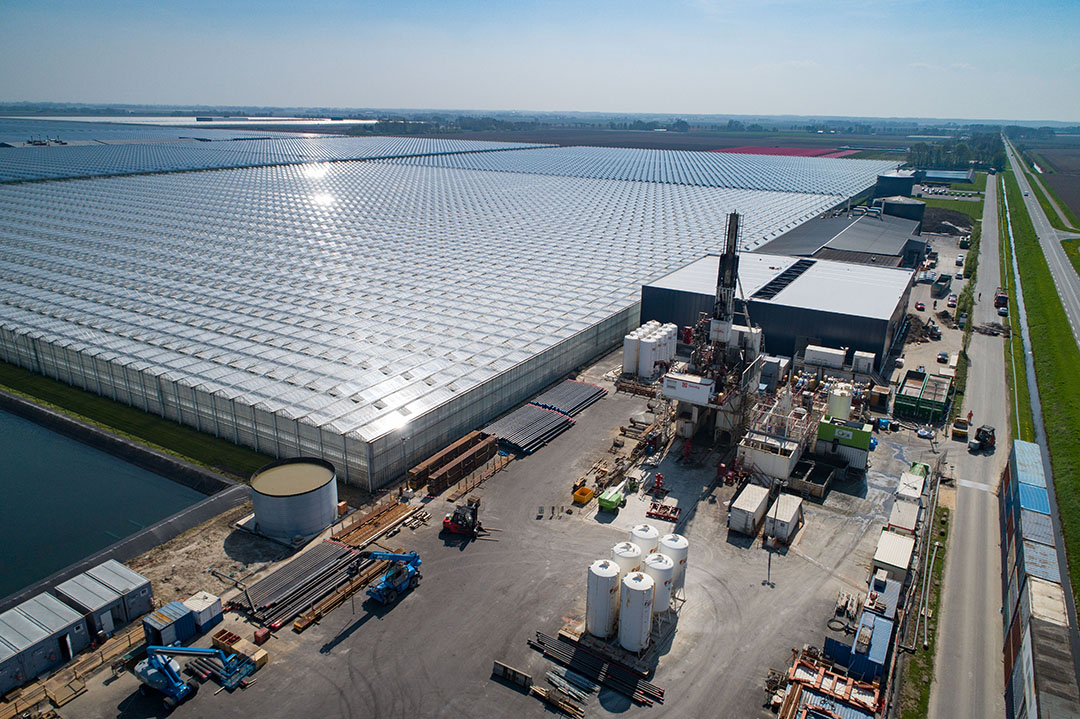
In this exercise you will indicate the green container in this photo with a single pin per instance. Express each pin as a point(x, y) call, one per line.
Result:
point(611, 500)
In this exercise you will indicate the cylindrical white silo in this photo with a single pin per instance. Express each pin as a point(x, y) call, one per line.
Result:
point(631, 344)
point(627, 556)
point(676, 547)
point(645, 536)
point(635, 611)
point(646, 356)
point(661, 569)
point(602, 598)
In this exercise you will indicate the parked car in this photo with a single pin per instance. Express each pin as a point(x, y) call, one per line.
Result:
point(959, 260)
point(1003, 311)
point(952, 301)
point(958, 276)
point(920, 306)
point(943, 357)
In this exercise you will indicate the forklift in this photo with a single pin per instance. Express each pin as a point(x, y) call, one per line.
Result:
point(403, 575)
point(465, 519)
point(984, 439)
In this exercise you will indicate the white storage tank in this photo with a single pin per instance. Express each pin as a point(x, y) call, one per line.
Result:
point(602, 598)
point(660, 569)
point(646, 536)
point(627, 556)
point(676, 547)
point(840, 401)
point(635, 611)
point(631, 344)
point(646, 356)
point(294, 498)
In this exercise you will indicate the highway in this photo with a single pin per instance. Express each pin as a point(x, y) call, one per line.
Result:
point(969, 672)
point(1065, 277)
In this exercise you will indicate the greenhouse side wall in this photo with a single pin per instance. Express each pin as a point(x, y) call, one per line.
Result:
point(164, 393)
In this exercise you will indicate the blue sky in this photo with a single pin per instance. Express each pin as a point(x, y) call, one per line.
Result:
point(945, 58)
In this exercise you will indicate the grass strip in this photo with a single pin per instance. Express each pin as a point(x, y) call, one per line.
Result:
point(971, 208)
point(919, 673)
point(151, 430)
point(978, 186)
point(1072, 251)
point(1056, 357)
point(1020, 417)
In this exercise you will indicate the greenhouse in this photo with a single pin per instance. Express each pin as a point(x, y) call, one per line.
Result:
point(365, 312)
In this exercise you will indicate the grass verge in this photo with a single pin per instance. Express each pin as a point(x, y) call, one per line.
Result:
point(1072, 250)
point(978, 186)
point(919, 671)
point(1056, 357)
point(161, 434)
point(970, 208)
point(1021, 419)
point(965, 303)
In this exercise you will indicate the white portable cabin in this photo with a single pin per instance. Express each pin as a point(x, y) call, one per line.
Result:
point(102, 607)
point(784, 518)
point(894, 555)
point(748, 510)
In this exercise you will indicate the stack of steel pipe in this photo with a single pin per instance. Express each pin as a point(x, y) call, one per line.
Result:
point(302, 582)
point(598, 670)
point(529, 428)
point(570, 397)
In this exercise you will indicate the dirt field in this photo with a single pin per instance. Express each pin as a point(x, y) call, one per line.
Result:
point(1065, 179)
point(180, 567)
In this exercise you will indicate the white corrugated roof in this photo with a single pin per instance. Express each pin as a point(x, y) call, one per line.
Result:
point(785, 508)
point(750, 498)
point(827, 286)
point(894, 550)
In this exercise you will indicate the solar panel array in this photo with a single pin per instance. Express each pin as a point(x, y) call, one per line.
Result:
point(71, 161)
point(682, 167)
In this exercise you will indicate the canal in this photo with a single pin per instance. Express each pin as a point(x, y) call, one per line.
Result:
point(61, 500)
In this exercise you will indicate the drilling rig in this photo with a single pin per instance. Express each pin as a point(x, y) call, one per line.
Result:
point(725, 364)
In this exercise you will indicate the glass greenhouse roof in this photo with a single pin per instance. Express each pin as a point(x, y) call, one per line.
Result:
point(18, 130)
point(58, 162)
point(349, 295)
point(682, 167)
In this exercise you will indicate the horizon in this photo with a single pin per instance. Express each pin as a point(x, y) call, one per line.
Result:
point(701, 57)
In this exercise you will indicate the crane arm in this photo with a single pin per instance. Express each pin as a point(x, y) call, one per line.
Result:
point(408, 558)
point(190, 652)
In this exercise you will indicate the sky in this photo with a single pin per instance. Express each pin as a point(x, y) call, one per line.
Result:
point(875, 58)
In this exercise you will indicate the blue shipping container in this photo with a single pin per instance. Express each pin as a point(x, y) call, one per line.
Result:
point(1025, 462)
point(173, 623)
point(1034, 499)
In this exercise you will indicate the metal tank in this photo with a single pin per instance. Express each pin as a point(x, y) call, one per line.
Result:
point(602, 598)
point(660, 569)
point(294, 498)
point(645, 536)
point(676, 547)
point(840, 401)
point(627, 556)
point(635, 611)
point(631, 344)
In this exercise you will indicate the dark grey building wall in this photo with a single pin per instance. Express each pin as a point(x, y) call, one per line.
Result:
point(787, 329)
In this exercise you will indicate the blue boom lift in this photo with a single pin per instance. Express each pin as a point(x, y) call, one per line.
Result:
point(404, 574)
point(160, 672)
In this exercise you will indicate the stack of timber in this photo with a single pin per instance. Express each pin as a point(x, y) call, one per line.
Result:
point(418, 475)
point(362, 530)
point(462, 465)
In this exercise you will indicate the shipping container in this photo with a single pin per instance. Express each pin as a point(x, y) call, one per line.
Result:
point(174, 623)
point(748, 509)
point(134, 588)
point(688, 388)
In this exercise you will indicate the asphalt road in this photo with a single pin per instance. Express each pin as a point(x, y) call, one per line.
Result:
point(969, 675)
point(1065, 276)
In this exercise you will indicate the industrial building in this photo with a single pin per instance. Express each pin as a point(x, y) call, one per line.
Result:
point(108, 595)
point(796, 302)
point(335, 303)
point(873, 238)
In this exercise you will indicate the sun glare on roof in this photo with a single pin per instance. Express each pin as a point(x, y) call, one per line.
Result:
point(315, 171)
point(322, 198)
